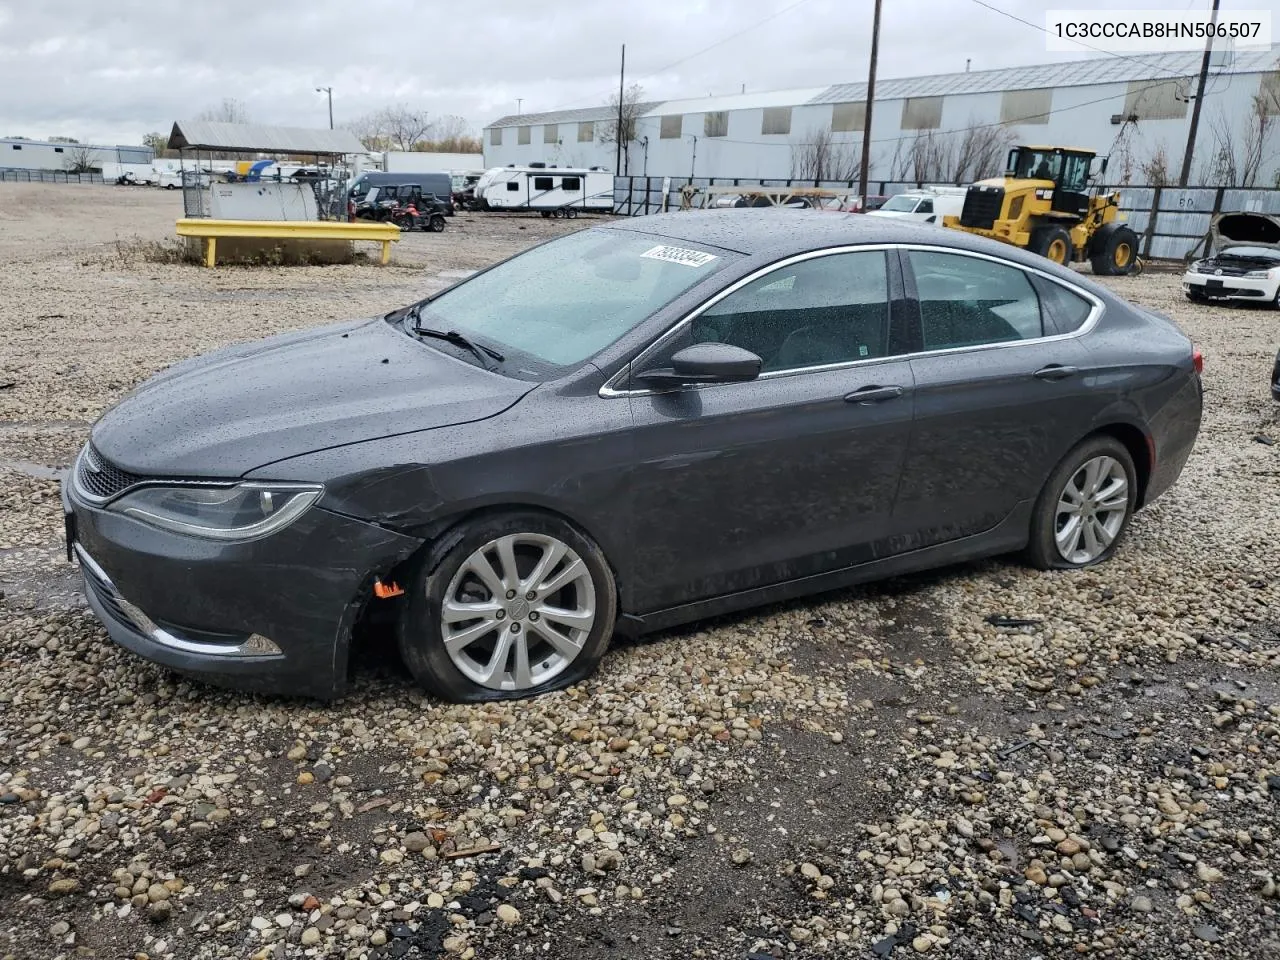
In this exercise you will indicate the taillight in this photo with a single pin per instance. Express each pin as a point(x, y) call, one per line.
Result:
point(1197, 358)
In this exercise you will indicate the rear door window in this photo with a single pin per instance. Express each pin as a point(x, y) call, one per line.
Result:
point(969, 301)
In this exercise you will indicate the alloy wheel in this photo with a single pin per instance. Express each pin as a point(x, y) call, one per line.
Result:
point(1091, 510)
point(518, 611)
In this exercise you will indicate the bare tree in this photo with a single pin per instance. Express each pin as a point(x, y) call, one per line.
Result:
point(228, 111)
point(451, 134)
point(368, 130)
point(953, 156)
point(622, 126)
point(158, 142)
point(981, 152)
point(1120, 157)
point(397, 127)
point(80, 158)
point(821, 157)
point(1155, 168)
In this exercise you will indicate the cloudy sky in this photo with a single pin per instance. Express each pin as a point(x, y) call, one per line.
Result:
point(112, 70)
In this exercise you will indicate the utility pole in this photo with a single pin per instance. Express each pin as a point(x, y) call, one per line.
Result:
point(622, 73)
point(871, 96)
point(329, 91)
point(694, 159)
point(519, 105)
point(1195, 108)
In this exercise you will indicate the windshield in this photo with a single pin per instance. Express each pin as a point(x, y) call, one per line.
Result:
point(901, 204)
point(566, 300)
point(1036, 164)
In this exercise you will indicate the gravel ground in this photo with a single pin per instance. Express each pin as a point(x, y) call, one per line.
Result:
point(881, 771)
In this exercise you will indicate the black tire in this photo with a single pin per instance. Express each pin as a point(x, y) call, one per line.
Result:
point(419, 632)
point(436, 223)
point(1042, 549)
point(1113, 250)
point(1049, 241)
point(571, 213)
point(404, 223)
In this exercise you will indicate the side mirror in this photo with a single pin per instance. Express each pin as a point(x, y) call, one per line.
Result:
point(705, 363)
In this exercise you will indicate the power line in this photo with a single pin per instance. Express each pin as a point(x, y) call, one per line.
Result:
point(1081, 43)
point(697, 53)
point(721, 42)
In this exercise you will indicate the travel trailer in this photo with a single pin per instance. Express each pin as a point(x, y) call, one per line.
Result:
point(554, 191)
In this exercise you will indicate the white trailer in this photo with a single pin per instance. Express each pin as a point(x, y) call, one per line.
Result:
point(421, 161)
point(137, 173)
point(553, 191)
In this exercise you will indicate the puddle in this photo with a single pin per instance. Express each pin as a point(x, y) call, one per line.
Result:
point(37, 470)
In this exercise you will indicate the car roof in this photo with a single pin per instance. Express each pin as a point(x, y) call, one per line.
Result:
point(762, 231)
point(767, 234)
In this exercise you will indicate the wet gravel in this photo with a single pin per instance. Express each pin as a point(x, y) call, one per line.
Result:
point(877, 772)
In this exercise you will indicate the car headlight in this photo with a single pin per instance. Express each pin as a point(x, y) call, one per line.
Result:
point(1259, 274)
point(1198, 267)
point(244, 511)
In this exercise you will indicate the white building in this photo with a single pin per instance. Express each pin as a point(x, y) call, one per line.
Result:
point(1136, 109)
point(21, 154)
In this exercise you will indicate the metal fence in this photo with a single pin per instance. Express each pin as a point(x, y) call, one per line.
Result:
point(48, 176)
point(1170, 221)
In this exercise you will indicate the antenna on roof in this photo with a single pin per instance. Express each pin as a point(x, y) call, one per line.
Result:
point(967, 61)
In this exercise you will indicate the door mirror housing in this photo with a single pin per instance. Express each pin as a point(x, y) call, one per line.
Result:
point(705, 363)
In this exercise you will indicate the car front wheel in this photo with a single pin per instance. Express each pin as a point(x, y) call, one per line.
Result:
point(1085, 506)
point(508, 605)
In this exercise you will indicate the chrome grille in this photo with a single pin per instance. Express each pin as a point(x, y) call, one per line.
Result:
point(100, 478)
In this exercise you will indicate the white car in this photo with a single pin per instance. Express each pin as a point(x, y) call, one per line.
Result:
point(1245, 263)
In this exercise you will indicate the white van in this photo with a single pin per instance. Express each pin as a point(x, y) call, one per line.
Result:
point(927, 205)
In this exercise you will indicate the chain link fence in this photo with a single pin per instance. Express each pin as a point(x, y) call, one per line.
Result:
point(48, 176)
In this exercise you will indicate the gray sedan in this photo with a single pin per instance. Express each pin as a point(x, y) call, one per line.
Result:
point(628, 428)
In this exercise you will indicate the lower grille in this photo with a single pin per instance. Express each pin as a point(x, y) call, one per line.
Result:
point(982, 207)
point(100, 478)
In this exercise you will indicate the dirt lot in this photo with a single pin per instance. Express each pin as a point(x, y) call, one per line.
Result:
point(876, 772)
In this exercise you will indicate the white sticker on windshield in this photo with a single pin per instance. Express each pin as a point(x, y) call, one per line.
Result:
point(688, 258)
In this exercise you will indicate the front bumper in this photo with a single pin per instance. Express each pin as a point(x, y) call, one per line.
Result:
point(1213, 287)
point(272, 615)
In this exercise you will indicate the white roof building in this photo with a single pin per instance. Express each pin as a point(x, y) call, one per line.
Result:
point(1135, 108)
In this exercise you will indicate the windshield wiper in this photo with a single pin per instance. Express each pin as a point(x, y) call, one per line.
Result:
point(480, 350)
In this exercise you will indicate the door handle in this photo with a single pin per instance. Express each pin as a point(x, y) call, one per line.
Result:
point(1055, 371)
point(869, 395)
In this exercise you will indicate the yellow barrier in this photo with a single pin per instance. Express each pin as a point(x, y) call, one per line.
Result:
point(210, 230)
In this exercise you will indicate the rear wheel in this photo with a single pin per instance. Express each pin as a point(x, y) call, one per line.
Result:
point(1084, 507)
point(510, 605)
point(436, 223)
point(1053, 243)
point(1114, 250)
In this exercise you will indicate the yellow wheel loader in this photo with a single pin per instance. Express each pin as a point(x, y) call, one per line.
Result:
point(1043, 204)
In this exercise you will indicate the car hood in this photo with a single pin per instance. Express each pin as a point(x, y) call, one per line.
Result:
point(889, 213)
point(1245, 230)
point(243, 407)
